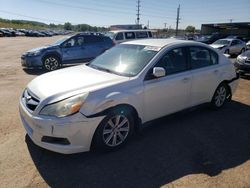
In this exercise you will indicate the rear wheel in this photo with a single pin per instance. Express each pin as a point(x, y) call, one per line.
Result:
point(51, 63)
point(220, 96)
point(114, 130)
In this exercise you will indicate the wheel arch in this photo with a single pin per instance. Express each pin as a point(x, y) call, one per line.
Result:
point(52, 54)
point(118, 107)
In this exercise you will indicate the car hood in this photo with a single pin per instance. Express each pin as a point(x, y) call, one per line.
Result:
point(41, 48)
point(75, 79)
point(217, 45)
point(246, 54)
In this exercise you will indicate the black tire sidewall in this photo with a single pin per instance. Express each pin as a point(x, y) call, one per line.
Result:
point(98, 142)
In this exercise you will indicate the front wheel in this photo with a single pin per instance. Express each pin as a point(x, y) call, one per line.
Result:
point(220, 96)
point(114, 130)
point(51, 63)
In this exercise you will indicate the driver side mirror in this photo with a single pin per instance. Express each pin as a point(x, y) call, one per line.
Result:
point(159, 72)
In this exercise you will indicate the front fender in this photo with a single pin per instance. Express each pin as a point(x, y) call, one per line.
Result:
point(96, 104)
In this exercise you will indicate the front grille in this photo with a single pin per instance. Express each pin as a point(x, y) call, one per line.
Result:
point(31, 102)
point(247, 61)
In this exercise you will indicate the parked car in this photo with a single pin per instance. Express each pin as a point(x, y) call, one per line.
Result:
point(248, 45)
point(242, 63)
point(209, 39)
point(101, 103)
point(5, 33)
point(1, 34)
point(126, 35)
point(70, 49)
point(235, 37)
point(230, 46)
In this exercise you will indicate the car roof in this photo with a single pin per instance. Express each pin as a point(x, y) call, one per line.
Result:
point(161, 42)
point(123, 30)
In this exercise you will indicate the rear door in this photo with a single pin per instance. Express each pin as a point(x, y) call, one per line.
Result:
point(205, 74)
point(95, 45)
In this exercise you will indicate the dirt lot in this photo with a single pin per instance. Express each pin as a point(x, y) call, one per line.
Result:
point(195, 148)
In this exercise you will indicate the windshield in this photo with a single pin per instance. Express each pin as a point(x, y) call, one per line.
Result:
point(60, 41)
point(125, 59)
point(110, 34)
point(224, 42)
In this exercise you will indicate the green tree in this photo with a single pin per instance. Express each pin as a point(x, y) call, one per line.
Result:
point(190, 29)
point(68, 26)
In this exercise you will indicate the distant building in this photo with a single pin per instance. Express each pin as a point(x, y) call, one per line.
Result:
point(125, 27)
point(240, 29)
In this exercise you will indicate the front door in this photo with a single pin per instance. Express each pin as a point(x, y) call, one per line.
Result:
point(170, 93)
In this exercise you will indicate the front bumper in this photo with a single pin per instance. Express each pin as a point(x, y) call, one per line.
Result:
point(242, 68)
point(31, 61)
point(77, 129)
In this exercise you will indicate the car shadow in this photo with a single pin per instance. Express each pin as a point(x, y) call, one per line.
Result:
point(245, 77)
point(194, 141)
point(40, 71)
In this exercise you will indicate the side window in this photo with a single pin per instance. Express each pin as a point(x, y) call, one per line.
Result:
point(79, 41)
point(202, 57)
point(130, 35)
point(119, 36)
point(70, 43)
point(150, 34)
point(173, 61)
point(142, 34)
point(234, 42)
point(92, 39)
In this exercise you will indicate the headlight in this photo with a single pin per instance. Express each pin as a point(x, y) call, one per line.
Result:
point(35, 53)
point(241, 59)
point(65, 107)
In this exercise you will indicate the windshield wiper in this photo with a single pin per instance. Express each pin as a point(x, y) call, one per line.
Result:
point(108, 70)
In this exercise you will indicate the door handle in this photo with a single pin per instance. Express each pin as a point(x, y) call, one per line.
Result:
point(185, 80)
point(216, 71)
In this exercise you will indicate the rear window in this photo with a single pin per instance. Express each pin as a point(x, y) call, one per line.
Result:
point(142, 34)
point(119, 36)
point(129, 35)
point(93, 39)
point(202, 57)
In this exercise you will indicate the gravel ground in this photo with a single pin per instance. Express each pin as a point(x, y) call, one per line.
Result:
point(194, 148)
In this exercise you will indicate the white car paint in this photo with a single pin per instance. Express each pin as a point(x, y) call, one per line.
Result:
point(150, 98)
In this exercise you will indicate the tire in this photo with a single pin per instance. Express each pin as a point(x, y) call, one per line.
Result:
point(51, 62)
point(114, 130)
point(221, 95)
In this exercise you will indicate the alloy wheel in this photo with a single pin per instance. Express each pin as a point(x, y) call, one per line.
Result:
point(51, 63)
point(116, 130)
point(220, 96)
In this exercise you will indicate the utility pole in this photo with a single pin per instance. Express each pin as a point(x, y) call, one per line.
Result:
point(165, 25)
point(231, 26)
point(177, 20)
point(148, 24)
point(138, 12)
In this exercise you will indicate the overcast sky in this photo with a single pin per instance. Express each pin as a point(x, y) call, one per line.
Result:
point(108, 12)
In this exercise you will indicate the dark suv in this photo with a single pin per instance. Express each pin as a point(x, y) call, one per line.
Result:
point(81, 47)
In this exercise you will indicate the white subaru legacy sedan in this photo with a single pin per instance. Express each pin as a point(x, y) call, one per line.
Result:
point(100, 104)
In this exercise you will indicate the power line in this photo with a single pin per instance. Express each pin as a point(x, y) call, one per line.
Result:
point(31, 17)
